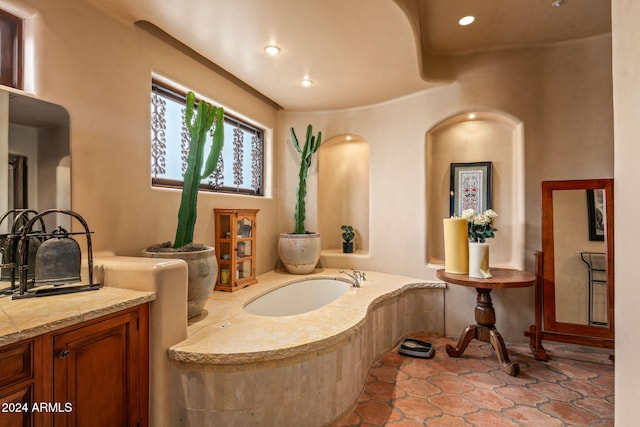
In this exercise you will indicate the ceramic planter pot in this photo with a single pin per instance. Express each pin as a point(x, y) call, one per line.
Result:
point(203, 270)
point(299, 252)
point(479, 260)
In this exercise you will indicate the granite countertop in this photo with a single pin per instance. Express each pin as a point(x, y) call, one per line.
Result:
point(226, 334)
point(26, 318)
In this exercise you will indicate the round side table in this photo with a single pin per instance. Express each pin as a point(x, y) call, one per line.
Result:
point(485, 315)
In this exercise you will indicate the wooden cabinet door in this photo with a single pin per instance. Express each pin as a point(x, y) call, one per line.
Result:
point(95, 374)
point(16, 407)
point(18, 364)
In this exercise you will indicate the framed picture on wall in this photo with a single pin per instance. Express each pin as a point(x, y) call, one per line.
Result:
point(470, 187)
point(595, 214)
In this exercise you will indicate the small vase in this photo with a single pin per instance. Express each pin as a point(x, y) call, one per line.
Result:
point(479, 260)
point(347, 247)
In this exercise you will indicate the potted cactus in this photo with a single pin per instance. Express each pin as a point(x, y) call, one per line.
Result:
point(201, 260)
point(300, 250)
point(347, 235)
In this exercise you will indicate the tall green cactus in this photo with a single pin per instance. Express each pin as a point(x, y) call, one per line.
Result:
point(311, 145)
point(198, 127)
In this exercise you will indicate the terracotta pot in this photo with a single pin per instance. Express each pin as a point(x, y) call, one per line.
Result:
point(203, 270)
point(299, 252)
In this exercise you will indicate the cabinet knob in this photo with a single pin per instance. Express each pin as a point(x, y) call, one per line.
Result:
point(63, 354)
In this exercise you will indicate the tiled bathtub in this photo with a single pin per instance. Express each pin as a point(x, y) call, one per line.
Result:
point(239, 369)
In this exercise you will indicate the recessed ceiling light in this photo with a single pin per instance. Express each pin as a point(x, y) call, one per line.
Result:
point(272, 50)
point(466, 20)
point(306, 82)
point(557, 3)
point(471, 116)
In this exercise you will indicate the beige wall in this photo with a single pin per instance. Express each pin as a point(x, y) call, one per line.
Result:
point(100, 69)
point(626, 87)
point(343, 185)
point(486, 137)
point(562, 95)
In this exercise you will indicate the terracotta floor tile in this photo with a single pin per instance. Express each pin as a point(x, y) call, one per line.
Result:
point(417, 387)
point(587, 388)
point(555, 392)
point(522, 379)
point(486, 399)
point(521, 395)
point(576, 388)
point(601, 407)
point(377, 412)
point(419, 370)
point(449, 367)
point(550, 374)
point(450, 383)
point(353, 419)
point(569, 413)
point(452, 404)
point(492, 419)
point(392, 359)
point(416, 408)
point(527, 416)
point(384, 391)
point(571, 370)
point(406, 423)
point(477, 365)
point(447, 421)
point(483, 380)
point(389, 374)
point(601, 368)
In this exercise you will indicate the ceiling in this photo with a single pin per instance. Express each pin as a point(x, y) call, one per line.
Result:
point(356, 52)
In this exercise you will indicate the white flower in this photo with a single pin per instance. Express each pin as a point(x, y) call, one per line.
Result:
point(479, 227)
point(490, 213)
point(467, 213)
point(481, 219)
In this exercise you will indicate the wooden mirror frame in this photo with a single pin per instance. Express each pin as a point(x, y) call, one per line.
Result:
point(546, 326)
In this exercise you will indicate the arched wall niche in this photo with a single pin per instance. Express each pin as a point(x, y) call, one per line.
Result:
point(469, 137)
point(343, 191)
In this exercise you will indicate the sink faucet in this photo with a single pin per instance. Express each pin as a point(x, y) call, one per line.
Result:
point(356, 276)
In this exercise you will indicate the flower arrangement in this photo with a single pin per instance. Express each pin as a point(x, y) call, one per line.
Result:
point(479, 226)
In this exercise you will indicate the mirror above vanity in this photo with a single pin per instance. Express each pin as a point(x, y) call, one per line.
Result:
point(34, 146)
point(574, 293)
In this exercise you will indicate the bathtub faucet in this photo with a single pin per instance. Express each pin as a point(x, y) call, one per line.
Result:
point(356, 276)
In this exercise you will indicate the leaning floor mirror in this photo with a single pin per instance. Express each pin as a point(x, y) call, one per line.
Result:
point(574, 292)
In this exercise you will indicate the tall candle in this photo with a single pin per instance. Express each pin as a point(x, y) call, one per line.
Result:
point(456, 246)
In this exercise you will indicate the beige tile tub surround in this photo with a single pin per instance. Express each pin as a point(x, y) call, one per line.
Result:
point(236, 368)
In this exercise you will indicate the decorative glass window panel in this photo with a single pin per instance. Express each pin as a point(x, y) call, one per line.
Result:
point(240, 169)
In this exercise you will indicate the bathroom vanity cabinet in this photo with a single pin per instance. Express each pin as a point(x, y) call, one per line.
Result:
point(235, 248)
point(92, 373)
point(18, 382)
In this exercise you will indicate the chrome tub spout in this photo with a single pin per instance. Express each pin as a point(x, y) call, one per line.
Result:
point(357, 277)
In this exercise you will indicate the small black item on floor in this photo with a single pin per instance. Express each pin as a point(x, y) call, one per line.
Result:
point(416, 348)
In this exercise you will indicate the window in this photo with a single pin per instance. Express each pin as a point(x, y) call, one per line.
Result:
point(10, 50)
point(240, 169)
